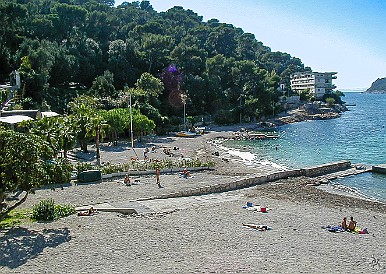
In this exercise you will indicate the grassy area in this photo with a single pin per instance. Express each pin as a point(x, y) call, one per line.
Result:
point(16, 217)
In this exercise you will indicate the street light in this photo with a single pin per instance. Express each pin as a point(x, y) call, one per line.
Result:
point(184, 97)
point(131, 123)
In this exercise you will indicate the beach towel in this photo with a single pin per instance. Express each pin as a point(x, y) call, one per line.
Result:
point(338, 228)
point(334, 228)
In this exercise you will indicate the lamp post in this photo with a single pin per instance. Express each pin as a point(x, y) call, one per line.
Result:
point(184, 115)
point(131, 123)
point(183, 97)
point(240, 98)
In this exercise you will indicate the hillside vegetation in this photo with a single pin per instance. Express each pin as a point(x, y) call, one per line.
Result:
point(65, 48)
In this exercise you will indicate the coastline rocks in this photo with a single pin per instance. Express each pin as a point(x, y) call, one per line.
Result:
point(313, 112)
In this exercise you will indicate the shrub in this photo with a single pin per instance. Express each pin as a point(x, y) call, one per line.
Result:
point(83, 167)
point(59, 171)
point(46, 210)
point(63, 211)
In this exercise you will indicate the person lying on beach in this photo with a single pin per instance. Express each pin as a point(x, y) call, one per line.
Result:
point(352, 224)
point(126, 180)
point(89, 212)
point(258, 227)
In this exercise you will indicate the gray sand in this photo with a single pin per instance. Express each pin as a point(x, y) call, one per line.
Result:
point(202, 234)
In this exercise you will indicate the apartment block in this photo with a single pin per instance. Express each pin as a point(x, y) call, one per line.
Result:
point(319, 83)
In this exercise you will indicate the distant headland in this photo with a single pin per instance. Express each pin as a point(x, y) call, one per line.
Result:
point(379, 86)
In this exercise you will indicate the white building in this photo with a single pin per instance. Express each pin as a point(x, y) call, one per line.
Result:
point(319, 83)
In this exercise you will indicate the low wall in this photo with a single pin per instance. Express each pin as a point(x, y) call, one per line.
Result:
point(258, 180)
point(326, 168)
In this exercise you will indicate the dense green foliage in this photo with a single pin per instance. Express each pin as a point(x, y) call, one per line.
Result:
point(68, 48)
point(47, 210)
point(26, 163)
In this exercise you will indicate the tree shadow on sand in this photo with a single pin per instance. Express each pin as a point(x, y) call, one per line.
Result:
point(18, 245)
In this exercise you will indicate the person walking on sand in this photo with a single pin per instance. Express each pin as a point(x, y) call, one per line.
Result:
point(157, 175)
point(145, 152)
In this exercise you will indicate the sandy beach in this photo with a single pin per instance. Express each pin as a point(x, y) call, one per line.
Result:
point(198, 234)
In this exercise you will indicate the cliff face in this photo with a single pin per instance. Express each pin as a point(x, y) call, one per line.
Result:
point(379, 86)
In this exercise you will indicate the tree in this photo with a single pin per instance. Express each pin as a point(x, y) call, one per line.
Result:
point(96, 129)
point(121, 62)
point(67, 135)
point(103, 85)
point(118, 120)
point(82, 108)
point(155, 50)
point(330, 101)
point(150, 85)
point(23, 165)
point(142, 124)
point(46, 128)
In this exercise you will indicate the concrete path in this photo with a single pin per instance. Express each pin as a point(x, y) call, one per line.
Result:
point(167, 205)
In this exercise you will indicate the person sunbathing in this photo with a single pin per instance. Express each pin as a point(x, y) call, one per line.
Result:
point(352, 224)
point(344, 223)
point(258, 227)
point(89, 212)
point(127, 181)
point(185, 173)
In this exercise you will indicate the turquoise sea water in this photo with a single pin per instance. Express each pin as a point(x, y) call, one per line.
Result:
point(359, 135)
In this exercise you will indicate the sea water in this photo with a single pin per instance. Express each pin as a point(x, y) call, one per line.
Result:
point(359, 136)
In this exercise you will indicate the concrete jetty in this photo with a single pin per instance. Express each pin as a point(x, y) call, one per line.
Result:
point(379, 168)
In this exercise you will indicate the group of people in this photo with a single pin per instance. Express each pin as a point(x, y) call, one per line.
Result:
point(184, 174)
point(127, 180)
point(146, 151)
point(351, 225)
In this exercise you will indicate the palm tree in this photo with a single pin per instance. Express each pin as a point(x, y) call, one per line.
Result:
point(96, 129)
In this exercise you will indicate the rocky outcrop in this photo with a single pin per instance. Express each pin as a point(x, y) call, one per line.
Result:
point(312, 111)
point(378, 86)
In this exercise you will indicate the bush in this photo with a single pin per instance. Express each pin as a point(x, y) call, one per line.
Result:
point(63, 211)
point(46, 210)
point(59, 171)
point(80, 166)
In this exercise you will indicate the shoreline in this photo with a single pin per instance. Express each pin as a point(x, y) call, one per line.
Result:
point(197, 234)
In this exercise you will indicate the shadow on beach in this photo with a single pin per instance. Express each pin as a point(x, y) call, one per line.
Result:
point(18, 245)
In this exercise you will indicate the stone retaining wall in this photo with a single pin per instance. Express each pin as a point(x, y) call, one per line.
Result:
point(252, 181)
